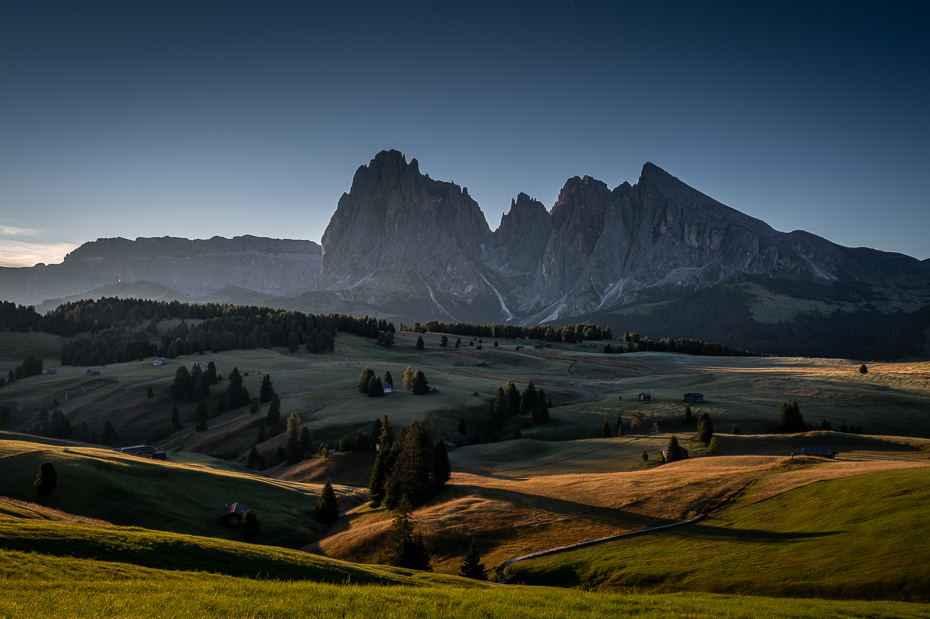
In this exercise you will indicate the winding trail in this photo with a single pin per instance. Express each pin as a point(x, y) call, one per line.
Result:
point(500, 577)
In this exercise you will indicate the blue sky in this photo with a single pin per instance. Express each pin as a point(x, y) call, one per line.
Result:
point(199, 119)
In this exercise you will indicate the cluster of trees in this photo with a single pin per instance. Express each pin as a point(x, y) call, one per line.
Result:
point(511, 409)
point(29, 367)
point(791, 421)
point(370, 384)
point(56, 425)
point(410, 467)
point(566, 333)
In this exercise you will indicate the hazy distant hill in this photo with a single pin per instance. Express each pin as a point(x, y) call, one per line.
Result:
point(195, 268)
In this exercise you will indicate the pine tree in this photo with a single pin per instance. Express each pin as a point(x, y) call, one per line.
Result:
point(47, 479)
point(605, 429)
point(420, 384)
point(530, 397)
point(176, 418)
point(254, 407)
point(266, 390)
point(149, 393)
point(250, 525)
point(386, 437)
point(472, 567)
point(674, 450)
point(364, 379)
point(387, 378)
point(688, 418)
point(420, 344)
point(714, 451)
point(513, 398)
point(734, 429)
point(261, 434)
point(705, 429)
point(327, 508)
point(444, 342)
point(253, 458)
point(863, 369)
point(408, 379)
point(293, 438)
point(274, 410)
point(645, 456)
point(463, 429)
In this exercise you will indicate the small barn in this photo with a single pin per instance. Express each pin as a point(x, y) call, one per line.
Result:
point(93, 372)
point(682, 453)
point(694, 397)
point(137, 450)
point(231, 515)
point(476, 393)
point(823, 452)
point(51, 370)
point(482, 364)
point(387, 387)
point(157, 362)
point(645, 397)
point(457, 363)
point(431, 389)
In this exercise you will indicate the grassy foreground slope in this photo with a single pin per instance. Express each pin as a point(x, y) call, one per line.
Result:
point(127, 490)
point(854, 537)
point(40, 586)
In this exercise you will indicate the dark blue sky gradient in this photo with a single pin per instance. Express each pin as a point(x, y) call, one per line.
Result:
point(197, 119)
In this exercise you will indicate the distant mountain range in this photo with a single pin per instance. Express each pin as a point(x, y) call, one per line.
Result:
point(405, 245)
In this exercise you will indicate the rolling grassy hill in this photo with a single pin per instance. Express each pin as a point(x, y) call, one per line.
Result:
point(184, 498)
point(854, 537)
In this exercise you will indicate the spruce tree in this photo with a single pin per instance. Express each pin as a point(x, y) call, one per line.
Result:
point(293, 438)
point(734, 429)
point(605, 429)
point(261, 434)
point(378, 478)
point(863, 369)
point(386, 438)
point(47, 479)
point(442, 468)
point(409, 476)
point(364, 379)
point(408, 379)
point(444, 342)
point(420, 384)
point(253, 458)
point(541, 414)
point(688, 417)
point(645, 456)
point(674, 450)
point(420, 344)
point(387, 378)
point(713, 450)
point(705, 429)
point(327, 508)
point(176, 418)
point(791, 419)
point(463, 429)
point(149, 393)
point(405, 548)
point(201, 417)
point(266, 390)
point(274, 410)
point(472, 567)
point(254, 407)
point(250, 525)
point(375, 389)
point(513, 398)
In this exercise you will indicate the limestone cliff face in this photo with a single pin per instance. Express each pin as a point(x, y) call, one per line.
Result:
point(398, 235)
point(195, 267)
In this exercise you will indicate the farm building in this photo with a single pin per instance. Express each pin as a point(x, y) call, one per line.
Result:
point(157, 362)
point(51, 370)
point(457, 363)
point(387, 387)
point(682, 453)
point(431, 389)
point(476, 393)
point(645, 397)
point(694, 397)
point(231, 515)
point(137, 450)
point(93, 372)
point(482, 364)
point(825, 452)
